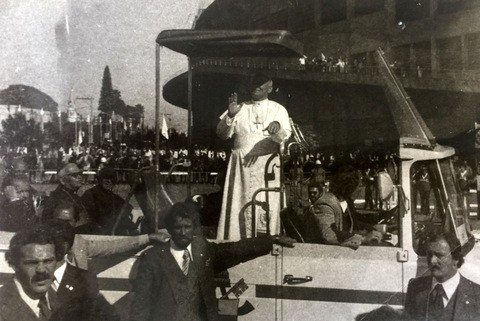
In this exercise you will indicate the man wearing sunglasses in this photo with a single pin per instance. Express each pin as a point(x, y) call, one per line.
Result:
point(70, 178)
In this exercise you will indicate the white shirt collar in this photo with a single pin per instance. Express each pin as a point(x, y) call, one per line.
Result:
point(260, 102)
point(449, 286)
point(344, 206)
point(33, 304)
point(178, 253)
point(59, 272)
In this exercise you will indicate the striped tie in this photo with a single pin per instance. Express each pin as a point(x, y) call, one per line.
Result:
point(186, 262)
point(45, 311)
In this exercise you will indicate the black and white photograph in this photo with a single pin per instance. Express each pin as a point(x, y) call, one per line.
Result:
point(240, 160)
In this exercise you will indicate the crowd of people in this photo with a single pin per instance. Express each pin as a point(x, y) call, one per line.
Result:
point(359, 65)
point(50, 247)
point(122, 158)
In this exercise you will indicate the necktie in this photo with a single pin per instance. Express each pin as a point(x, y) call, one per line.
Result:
point(45, 311)
point(55, 284)
point(186, 262)
point(435, 302)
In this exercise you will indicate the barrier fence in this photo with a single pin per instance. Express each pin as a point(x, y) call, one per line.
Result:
point(123, 176)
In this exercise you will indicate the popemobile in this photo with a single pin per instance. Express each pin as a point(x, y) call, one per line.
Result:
point(332, 282)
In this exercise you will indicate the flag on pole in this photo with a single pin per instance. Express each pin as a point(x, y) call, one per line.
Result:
point(164, 128)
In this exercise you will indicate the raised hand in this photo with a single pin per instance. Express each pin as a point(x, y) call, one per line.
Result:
point(233, 107)
point(11, 193)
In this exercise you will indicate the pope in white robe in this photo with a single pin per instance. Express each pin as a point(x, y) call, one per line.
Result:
point(257, 127)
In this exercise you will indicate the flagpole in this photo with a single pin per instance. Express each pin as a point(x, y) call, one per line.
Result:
point(42, 127)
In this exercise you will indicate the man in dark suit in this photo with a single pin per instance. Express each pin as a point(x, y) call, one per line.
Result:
point(70, 177)
point(445, 295)
point(103, 205)
point(32, 256)
point(175, 280)
point(70, 282)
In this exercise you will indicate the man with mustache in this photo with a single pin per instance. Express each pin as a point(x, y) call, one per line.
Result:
point(445, 295)
point(32, 255)
point(103, 205)
point(257, 128)
point(175, 280)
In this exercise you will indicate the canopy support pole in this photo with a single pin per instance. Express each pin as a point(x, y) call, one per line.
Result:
point(157, 134)
point(189, 133)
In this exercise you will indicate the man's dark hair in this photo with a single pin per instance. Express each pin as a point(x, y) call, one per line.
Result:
point(316, 184)
point(453, 243)
point(107, 173)
point(259, 79)
point(345, 181)
point(186, 210)
point(63, 232)
point(40, 234)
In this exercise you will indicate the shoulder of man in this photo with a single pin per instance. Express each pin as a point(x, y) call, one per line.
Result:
point(419, 283)
point(470, 284)
point(328, 199)
point(156, 251)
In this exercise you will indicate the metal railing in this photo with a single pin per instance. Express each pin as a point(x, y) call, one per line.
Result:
point(369, 70)
point(90, 176)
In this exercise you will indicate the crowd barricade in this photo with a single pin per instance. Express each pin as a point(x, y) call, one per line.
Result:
point(49, 176)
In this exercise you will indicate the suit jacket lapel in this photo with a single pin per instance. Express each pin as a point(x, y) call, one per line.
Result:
point(69, 281)
point(198, 254)
point(464, 300)
point(171, 270)
point(422, 296)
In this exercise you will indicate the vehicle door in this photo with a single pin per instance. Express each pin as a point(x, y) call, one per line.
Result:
point(332, 282)
point(341, 282)
point(260, 275)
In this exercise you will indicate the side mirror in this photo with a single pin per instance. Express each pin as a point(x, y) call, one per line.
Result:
point(384, 186)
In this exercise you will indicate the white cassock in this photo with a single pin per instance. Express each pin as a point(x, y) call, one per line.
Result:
point(246, 173)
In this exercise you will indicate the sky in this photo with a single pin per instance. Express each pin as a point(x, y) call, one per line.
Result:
point(63, 46)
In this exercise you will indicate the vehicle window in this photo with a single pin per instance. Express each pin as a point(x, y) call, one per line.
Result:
point(329, 221)
point(371, 210)
point(437, 202)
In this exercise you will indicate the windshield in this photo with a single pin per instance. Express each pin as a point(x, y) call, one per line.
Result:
point(438, 204)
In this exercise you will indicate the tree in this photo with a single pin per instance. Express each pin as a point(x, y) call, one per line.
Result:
point(18, 131)
point(119, 106)
point(106, 103)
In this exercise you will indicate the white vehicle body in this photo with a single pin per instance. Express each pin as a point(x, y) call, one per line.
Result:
point(329, 282)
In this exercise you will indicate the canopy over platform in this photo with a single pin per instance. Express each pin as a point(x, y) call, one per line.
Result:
point(28, 97)
point(232, 43)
